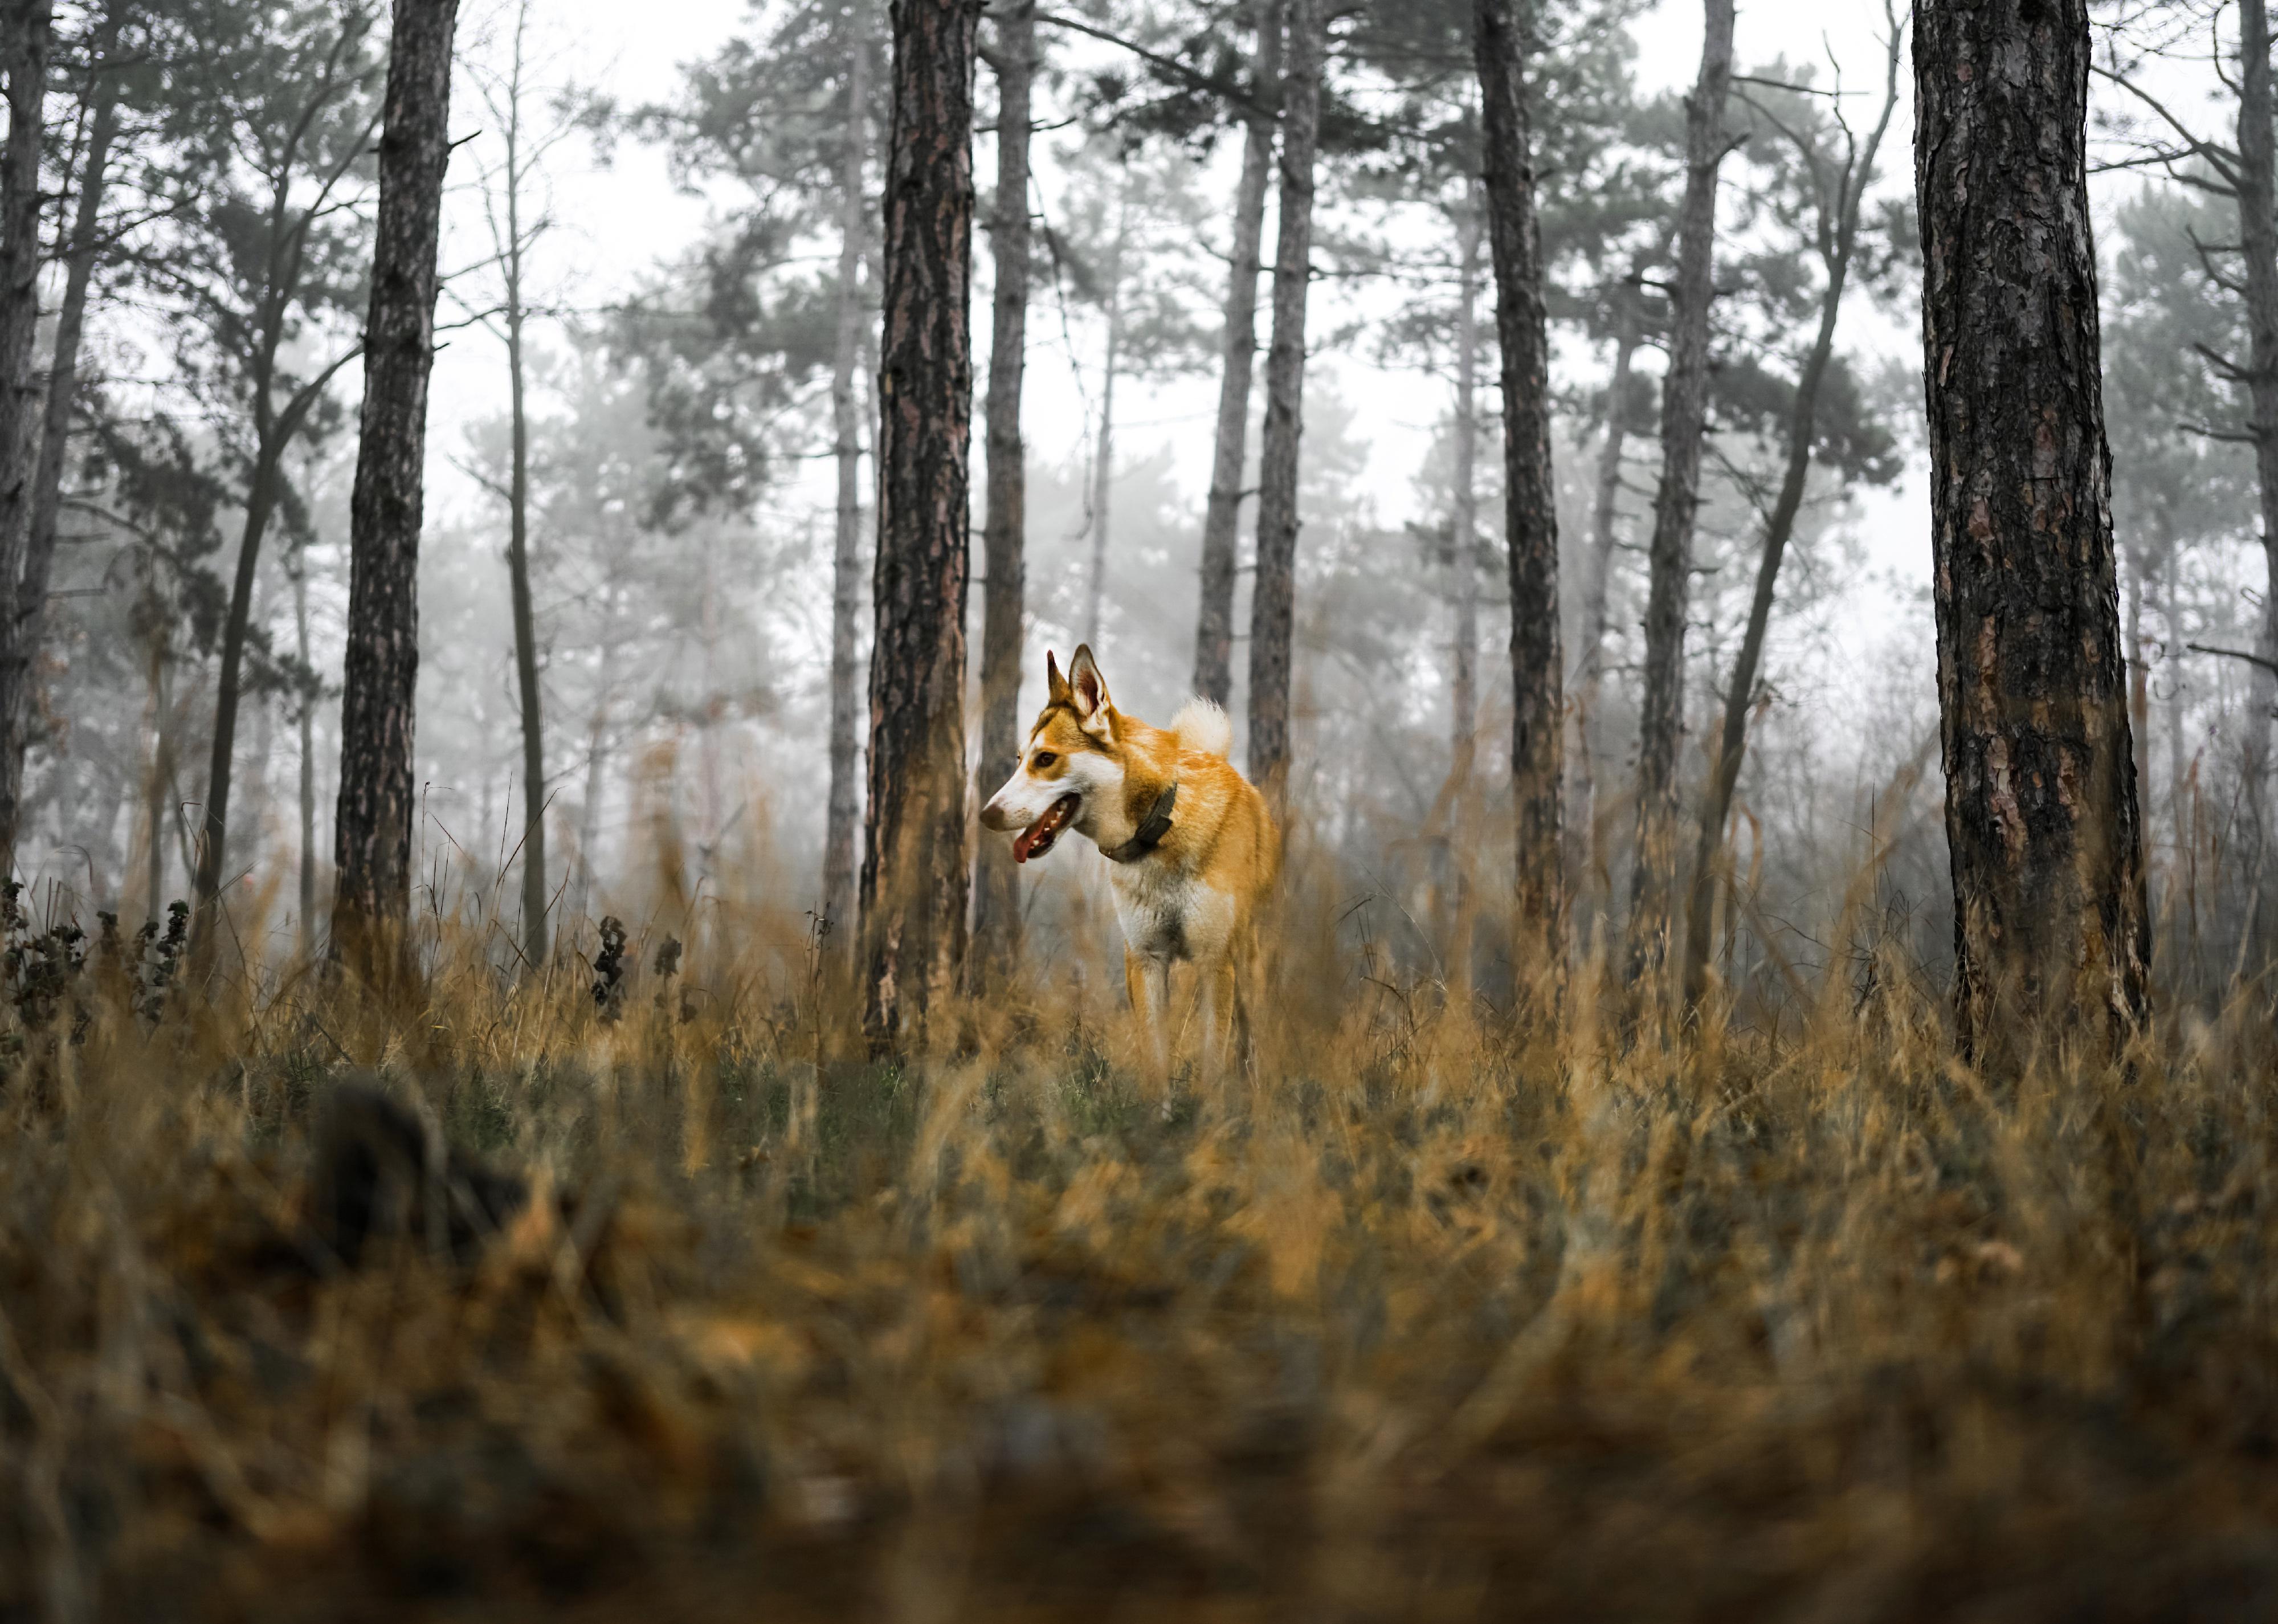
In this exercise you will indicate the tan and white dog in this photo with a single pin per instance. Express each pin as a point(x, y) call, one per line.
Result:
point(1192, 850)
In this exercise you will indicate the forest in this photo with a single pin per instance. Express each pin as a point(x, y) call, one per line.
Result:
point(1736, 543)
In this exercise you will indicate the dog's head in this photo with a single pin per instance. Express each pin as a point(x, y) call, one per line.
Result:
point(1071, 766)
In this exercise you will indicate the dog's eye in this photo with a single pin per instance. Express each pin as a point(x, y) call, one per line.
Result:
point(1043, 759)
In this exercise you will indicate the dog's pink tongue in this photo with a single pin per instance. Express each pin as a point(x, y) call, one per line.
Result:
point(1038, 836)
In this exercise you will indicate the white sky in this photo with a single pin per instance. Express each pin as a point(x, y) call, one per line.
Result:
point(618, 221)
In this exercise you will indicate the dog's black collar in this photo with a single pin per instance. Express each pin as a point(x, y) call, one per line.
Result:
point(1152, 829)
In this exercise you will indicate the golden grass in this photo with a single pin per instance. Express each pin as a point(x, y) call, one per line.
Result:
point(1429, 1313)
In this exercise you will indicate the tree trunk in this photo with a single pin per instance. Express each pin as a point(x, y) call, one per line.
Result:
point(1102, 465)
point(306, 716)
point(1586, 859)
point(1537, 668)
point(843, 808)
point(1222, 514)
point(1272, 602)
point(536, 937)
point(1838, 239)
point(2050, 928)
point(1463, 541)
point(1003, 531)
point(213, 842)
point(1683, 415)
point(162, 774)
point(2258, 236)
point(916, 838)
point(371, 831)
point(25, 35)
point(20, 643)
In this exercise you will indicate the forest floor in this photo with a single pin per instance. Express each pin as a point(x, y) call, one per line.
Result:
point(1429, 1313)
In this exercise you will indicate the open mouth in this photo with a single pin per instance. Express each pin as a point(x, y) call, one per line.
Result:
point(1037, 837)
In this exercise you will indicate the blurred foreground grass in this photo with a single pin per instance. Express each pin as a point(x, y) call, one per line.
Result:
point(1428, 1314)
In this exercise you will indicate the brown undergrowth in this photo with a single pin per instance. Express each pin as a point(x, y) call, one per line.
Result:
point(1431, 1313)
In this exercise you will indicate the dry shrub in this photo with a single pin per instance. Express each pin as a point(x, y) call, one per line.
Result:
point(1430, 1311)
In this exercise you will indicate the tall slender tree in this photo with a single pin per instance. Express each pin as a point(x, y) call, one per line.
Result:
point(1838, 168)
point(1537, 665)
point(1272, 607)
point(27, 35)
point(2050, 927)
point(842, 807)
point(1003, 529)
point(371, 828)
point(917, 835)
point(1684, 419)
point(1238, 342)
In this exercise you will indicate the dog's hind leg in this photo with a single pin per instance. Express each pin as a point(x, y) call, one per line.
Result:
point(1219, 997)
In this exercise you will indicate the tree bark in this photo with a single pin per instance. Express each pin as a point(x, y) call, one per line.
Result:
point(1838, 241)
point(1223, 513)
point(916, 838)
point(2256, 191)
point(1586, 859)
point(1464, 542)
point(1003, 531)
point(1272, 603)
point(1537, 665)
point(2050, 928)
point(1103, 466)
point(371, 828)
point(1683, 417)
point(535, 936)
point(26, 34)
point(305, 717)
point(843, 803)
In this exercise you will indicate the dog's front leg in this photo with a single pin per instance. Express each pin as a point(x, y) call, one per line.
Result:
point(1149, 982)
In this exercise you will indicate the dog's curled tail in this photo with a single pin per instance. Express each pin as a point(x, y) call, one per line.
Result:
point(1202, 726)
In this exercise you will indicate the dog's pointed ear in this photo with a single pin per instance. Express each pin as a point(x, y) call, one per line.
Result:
point(1088, 692)
point(1056, 688)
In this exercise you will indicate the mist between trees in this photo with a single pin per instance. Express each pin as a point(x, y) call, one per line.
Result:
point(645, 584)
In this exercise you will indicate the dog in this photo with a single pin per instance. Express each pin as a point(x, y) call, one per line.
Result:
point(1191, 847)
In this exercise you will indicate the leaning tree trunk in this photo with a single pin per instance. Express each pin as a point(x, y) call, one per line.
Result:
point(1684, 417)
point(1223, 513)
point(1531, 515)
point(1585, 863)
point(1840, 239)
point(2050, 928)
point(842, 804)
point(371, 827)
point(1003, 529)
point(2258, 235)
point(1273, 601)
point(26, 36)
point(917, 838)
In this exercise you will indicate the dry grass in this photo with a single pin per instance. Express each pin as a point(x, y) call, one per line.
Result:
point(1429, 1314)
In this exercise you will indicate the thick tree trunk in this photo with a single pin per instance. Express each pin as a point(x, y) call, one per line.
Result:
point(1273, 604)
point(1537, 668)
point(1585, 861)
point(843, 805)
point(917, 837)
point(1003, 529)
point(1222, 514)
point(1684, 415)
point(26, 33)
point(2050, 928)
point(371, 831)
point(1838, 239)
point(1103, 463)
point(20, 642)
point(2258, 236)
point(535, 936)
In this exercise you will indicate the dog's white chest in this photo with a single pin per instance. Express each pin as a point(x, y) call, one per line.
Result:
point(1170, 915)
